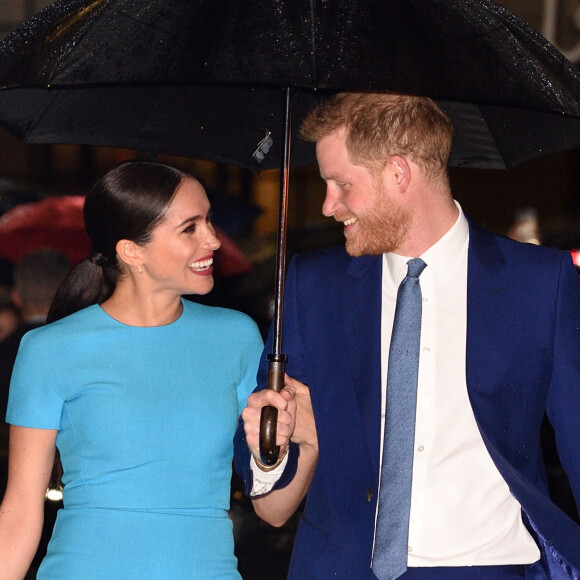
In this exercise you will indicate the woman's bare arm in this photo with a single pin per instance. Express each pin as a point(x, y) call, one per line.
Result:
point(30, 460)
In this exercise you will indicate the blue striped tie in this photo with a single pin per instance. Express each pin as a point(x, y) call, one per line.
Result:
point(392, 532)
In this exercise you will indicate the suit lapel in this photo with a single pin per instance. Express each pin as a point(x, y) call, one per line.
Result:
point(486, 289)
point(360, 310)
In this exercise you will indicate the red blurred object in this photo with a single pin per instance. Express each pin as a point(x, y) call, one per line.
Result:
point(55, 222)
point(229, 260)
point(575, 257)
point(58, 223)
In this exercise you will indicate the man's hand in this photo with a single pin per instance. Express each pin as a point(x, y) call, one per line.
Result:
point(286, 405)
point(295, 416)
point(305, 429)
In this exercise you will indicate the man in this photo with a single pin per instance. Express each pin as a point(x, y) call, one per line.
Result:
point(36, 279)
point(499, 346)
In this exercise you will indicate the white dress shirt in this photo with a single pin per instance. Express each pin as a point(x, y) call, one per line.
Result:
point(462, 512)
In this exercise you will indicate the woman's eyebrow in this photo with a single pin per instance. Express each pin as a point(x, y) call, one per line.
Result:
point(188, 220)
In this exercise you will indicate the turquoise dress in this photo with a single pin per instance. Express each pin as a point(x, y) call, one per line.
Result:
point(145, 419)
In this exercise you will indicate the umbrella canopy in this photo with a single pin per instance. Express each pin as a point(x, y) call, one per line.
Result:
point(202, 78)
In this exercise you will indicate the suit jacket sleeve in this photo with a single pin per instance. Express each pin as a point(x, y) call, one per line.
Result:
point(563, 401)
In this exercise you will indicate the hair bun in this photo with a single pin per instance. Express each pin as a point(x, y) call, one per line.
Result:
point(98, 259)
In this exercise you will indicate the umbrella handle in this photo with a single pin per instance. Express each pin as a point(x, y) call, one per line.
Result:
point(269, 451)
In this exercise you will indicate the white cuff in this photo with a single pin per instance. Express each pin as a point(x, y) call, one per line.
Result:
point(264, 481)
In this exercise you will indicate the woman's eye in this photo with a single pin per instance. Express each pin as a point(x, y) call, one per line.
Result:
point(189, 229)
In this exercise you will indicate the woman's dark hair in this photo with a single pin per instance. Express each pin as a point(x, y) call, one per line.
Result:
point(128, 202)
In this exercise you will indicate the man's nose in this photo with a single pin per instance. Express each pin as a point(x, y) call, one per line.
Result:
point(330, 204)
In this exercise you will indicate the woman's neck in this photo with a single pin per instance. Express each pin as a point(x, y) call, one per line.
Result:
point(134, 309)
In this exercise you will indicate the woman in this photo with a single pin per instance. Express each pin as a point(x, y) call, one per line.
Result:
point(141, 391)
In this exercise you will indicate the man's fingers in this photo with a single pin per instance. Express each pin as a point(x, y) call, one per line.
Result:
point(269, 397)
point(296, 386)
point(252, 416)
point(288, 393)
point(286, 404)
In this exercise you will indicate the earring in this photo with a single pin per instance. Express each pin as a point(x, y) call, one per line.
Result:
point(139, 268)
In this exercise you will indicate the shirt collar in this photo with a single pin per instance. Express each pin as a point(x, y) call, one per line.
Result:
point(441, 258)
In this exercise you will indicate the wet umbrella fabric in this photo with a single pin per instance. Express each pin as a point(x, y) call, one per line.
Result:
point(202, 78)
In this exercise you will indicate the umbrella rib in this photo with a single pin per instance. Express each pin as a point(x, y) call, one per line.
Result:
point(313, 44)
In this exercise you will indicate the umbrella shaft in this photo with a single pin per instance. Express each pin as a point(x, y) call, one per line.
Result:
point(282, 227)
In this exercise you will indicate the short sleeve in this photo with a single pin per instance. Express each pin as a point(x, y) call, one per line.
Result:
point(33, 398)
point(251, 353)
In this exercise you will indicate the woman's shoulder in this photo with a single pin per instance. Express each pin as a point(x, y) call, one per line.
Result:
point(65, 327)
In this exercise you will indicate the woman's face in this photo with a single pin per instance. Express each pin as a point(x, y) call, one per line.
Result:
point(179, 256)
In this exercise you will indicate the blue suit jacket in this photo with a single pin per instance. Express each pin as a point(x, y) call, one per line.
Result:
point(523, 358)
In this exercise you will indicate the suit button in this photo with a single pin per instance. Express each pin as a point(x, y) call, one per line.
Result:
point(369, 494)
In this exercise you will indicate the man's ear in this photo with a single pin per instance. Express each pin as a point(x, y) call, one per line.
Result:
point(400, 171)
point(129, 252)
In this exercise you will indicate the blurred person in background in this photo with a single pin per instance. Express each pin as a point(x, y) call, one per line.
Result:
point(36, 279)
point(9, 316)
point(525, 227)
point(9, 321)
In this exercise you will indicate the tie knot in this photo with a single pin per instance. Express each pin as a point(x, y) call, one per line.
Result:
point(415, 267)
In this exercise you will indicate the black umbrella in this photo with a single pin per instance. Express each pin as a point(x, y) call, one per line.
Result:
point(203, 78)
point(225, 80)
